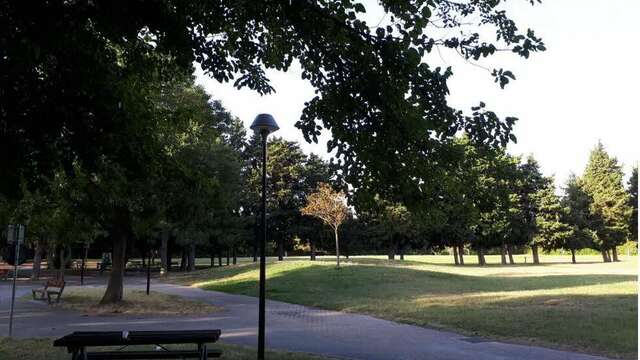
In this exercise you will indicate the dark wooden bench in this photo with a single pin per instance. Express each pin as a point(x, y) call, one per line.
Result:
point(51, 287)
point(77, 343)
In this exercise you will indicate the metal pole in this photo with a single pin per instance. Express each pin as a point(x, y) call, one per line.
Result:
point(84, 259)
point(261, 309)
point(148, 272)
point(13, 289)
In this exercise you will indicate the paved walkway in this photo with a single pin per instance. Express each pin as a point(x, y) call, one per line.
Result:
point(289, 327)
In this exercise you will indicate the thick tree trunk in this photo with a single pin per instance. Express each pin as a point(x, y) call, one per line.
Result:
point(183, 259)
point(510, 253)
point(212, 259)
point(192, 257)
point(337, 248)
point(392, 251)
point(115, 285)
point(312, 245)
point(37, 261)
point(228, 257)
point(614, 253)
point(220, 258)
point(164, 259)
point(573, 256)
point(461, 254)
point(481, 259)
point(234, 256)
point(605, 256)
point(401, 248)
point(534, 253)
point(280, 250)
point(455, 255)
point(503, 254)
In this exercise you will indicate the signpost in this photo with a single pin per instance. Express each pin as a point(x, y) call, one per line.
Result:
point(15, 236)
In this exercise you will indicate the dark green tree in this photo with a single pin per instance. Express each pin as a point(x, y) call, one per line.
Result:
point(609, 210)
point(633, 203)
point(386, 108)
point(552, 231)
point(530, 183)
point(576, 203)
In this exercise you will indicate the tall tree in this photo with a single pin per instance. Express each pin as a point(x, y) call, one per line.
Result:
point(531, 182)
point(74, 67)
point(329, 206)
point(576, 202)
point(610, 210)
point(633, 203)
point(552, 232)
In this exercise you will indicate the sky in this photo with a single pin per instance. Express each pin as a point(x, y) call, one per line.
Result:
point(582, 90)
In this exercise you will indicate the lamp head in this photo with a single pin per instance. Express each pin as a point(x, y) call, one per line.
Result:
point(264, 124)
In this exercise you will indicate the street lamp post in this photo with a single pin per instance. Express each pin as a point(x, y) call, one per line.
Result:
point(264, 124)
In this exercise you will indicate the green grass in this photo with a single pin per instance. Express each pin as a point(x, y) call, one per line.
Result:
point(42, 349)
point(136, 302)
point(590, 306)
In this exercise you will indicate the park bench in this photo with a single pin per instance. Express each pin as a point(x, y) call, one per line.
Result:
point(77, 343)
point(51, 287)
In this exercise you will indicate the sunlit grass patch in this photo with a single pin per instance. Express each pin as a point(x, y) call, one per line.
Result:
point(136, 302)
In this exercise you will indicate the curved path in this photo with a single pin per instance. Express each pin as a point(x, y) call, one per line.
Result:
point(289, 327)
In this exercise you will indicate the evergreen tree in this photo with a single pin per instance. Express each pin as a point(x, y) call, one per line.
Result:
point(633, 203)
point(576, 202)
point(610, 210)
point(552, 231)
point(531, 182)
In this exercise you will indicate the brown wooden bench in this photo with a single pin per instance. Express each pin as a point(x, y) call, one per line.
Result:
point(51, 287)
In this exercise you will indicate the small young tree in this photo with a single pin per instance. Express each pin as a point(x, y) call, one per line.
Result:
point(329, 206)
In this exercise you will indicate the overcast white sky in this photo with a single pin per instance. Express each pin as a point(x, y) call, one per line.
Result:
point(584, 88)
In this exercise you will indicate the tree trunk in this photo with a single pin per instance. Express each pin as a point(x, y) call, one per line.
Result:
point(614, 253)
point(164, 260)
point(51, 257)
point(481, 259)
point(510, 253)
point(392, 251)
point(312, 245)
point(192, 257)
point(503, 254)
point(280, 250)
point(212, 259)
point(220, 258)
point(401, 248)
point(115, 285)
point(233, 254)
point(183, 259)
point(455, 255)
point(534, 253)
point(461, 254)
point(337, 248)
point(227, 256)
point(37, 261)
point(61, 270)
point(256, 233)
point(605, 256)
point(573, 256)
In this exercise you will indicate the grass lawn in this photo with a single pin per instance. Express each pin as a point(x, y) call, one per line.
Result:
point(136, 302)
point(589, 306)
point(42, 349)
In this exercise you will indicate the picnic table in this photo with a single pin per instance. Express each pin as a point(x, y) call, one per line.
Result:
point(77, 343)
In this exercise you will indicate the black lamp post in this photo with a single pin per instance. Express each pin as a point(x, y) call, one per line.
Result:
point(264, 124)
